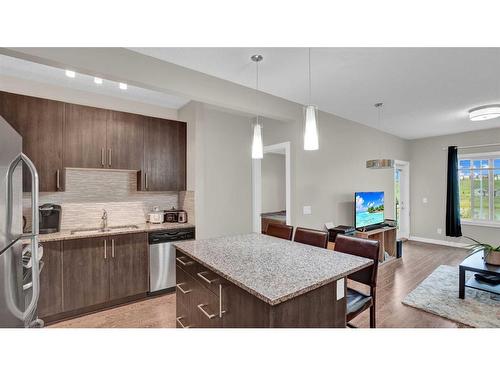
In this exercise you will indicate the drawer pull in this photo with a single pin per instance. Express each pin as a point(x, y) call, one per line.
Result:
point(201, 308)
point(188, 263)
point(178, 319)
point(182, 290)
point(201, 276)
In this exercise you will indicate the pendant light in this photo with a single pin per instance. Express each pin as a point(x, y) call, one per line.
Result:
point(311, 141)
point(379, 163)
point(257, 143)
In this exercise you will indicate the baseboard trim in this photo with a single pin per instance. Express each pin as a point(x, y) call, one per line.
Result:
point(438, 242)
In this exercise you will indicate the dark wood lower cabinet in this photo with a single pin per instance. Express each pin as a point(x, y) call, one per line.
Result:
point(89, 274)
point(86, 272)
point(50, 300)
point(222, 304)
point(128, 271)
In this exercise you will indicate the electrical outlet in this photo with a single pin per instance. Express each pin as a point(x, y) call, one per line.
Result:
point(440, 231)
point(424, 200)
point(306, 210)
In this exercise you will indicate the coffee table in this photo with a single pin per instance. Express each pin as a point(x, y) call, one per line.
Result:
point(475, 263)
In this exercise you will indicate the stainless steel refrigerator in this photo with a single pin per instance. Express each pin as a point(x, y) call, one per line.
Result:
point(19, 253)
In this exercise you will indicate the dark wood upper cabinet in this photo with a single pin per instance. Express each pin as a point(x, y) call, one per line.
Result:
point(125, 140)
point(86, 272)
point(50, 300)
point(58, 135)
point(128, 272)
point(164, 156)
point(84, 136)
point(40, 123)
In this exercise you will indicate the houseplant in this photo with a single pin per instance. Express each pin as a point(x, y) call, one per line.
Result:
point(491, 253)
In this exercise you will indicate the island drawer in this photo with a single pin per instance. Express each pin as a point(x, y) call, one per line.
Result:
point(196, 306)
point(206, 277)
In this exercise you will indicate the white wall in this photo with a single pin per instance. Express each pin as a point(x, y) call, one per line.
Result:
point(273, 175)
point(428, 180)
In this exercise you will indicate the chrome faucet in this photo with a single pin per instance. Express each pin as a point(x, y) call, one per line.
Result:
point(104, 223)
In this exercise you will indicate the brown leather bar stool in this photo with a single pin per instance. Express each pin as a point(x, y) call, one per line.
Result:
point(311, 237)
point(358, 302)
point(280, 231)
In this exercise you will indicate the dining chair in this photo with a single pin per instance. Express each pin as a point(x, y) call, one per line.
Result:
point(280, 231)
point(357, 302)
point(311, 237)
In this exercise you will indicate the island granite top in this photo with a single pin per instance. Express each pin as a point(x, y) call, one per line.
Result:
point(270, 268)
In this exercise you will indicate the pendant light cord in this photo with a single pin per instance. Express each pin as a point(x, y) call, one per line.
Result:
point(309, 76)
point(257, 87)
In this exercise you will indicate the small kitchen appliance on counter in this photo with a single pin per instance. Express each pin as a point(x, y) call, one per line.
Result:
point(172, 215)
point(50, 218)
point(156, 216)
point(162, 257)
point(183, 217)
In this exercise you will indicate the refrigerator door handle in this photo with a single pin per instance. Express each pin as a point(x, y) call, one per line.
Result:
point(34, 227)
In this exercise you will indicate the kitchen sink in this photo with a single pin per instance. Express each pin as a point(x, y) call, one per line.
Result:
point(103, 230)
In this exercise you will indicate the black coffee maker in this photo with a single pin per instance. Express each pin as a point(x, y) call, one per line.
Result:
point(50, 218)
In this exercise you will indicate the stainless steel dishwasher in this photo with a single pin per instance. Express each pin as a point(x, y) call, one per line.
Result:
point(162, 257)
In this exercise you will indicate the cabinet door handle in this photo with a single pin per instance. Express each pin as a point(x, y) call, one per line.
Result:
point(112, 248)
point(200, 275)
point(105, 250)
point(102, 157)
point(178, 319)
point(146, 180)
point(109, 157)
point(58, 180)
point(221, 312)
point(208, 315)
point(182, 290)
point(188, 263)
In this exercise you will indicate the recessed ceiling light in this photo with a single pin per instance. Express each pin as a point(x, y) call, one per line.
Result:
point(123, 86)
point(70, 74)
point(98, 81)
point(486, 112)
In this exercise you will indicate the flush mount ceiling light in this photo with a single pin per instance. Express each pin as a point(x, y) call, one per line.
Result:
point(123, 86)
point(70, 74)
point(98, 81)
point(311, 141)
point(257, 143)
point(379, 163)
point(485, 112)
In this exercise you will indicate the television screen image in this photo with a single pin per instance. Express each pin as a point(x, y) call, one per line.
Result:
point(369, 208)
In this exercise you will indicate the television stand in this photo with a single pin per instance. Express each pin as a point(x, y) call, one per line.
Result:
point(386, 236)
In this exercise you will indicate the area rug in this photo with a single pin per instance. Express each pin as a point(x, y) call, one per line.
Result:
point(438, 294)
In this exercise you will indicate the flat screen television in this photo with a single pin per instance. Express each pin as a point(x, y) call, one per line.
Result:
point(369, 208)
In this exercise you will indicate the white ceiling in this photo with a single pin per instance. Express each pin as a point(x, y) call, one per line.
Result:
point(426, 91)
point(13, 67)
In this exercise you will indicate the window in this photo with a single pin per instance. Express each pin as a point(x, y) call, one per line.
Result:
point(479, 176)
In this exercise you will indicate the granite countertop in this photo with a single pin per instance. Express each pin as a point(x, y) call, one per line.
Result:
point(270, 268)
point(147, 227)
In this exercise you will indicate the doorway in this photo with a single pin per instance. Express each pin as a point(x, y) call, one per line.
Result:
point(402, 198)
point(274, 202)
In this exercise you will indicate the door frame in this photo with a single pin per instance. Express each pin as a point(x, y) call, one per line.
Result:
point(257, 185)
point(405, 166)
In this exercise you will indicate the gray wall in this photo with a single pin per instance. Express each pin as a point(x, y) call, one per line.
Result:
point(220, 169)
point(428, 180)
point(327, 179)
point(273, 183)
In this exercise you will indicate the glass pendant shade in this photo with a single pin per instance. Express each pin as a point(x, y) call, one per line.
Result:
point(257, 145)
point(311, 128)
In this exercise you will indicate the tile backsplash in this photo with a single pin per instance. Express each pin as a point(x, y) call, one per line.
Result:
point(89, 191)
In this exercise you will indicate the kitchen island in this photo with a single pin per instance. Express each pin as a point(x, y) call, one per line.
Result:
point(255, 280)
